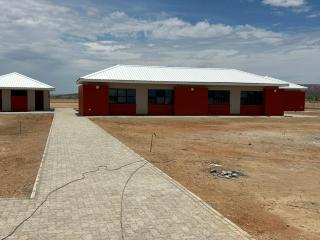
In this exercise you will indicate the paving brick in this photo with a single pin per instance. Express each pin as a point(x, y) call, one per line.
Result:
point(154, 205)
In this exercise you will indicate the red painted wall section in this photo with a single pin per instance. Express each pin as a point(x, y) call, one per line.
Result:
point(122, 109)
point(251, 110)
point(80, 99)
point(0, 101)
point(19, 103)
point(294, 100)
point(161, 109)
point(273, 102)
point(94, 100)
point(221, 109)
point(190, 100)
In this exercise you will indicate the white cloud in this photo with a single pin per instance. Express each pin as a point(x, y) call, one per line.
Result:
point(284, 3)
point(58, 44)
point(248, 32)
point(105, 47)
point(314, 15)
point(119, 24)
point(174, 28)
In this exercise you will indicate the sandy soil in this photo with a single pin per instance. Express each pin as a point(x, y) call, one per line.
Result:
point(312, 109)
point(314, 105)
point(64, 103)
point(21, 153)
point(279, 197)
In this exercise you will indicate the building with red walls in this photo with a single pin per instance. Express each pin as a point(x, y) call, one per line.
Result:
point(19, 93)
point(151, 90)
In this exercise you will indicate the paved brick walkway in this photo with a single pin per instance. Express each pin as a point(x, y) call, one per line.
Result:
point(124, 198)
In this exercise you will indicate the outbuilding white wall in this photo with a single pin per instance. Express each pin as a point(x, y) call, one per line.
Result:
point(6, 100)
point(31, 100)
point(46, 100)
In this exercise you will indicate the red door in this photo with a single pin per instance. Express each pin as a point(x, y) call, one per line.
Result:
point(93, 100)
point(19, 101)
point(190, 100)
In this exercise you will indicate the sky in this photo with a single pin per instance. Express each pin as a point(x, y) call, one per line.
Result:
point(57, 41)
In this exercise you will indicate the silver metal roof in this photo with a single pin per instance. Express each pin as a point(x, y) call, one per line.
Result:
point(291, 86)
point(178, 75)
point(18, 81)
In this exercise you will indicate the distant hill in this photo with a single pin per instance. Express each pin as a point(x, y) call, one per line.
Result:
point(313, 92)
point(65, 96)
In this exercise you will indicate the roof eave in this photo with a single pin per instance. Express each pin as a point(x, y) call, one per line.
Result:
point(28, 88)
point(295, 89)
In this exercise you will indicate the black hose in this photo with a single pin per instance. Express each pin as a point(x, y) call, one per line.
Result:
point(76, 180)
point(122, 198)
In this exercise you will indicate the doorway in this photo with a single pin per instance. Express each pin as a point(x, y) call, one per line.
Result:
point(39, 100)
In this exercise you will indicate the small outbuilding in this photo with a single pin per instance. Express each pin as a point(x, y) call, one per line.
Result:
point(155, 90)
point(19, 93)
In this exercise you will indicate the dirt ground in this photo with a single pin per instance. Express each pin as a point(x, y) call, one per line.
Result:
point(21, 152)
point(279, 197)
point(64, 103)
point(313, 105)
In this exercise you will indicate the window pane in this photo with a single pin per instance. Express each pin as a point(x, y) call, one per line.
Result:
point(244, 94)
point(131, 92)
point(121, 100)
point(160, 93)
point(168, 93)
point(160, 100)
point(122, 92)
point(168, 100)
point(244, 98)
point(160, 96)
point(218, 97)
point(152, 96)
point(131, 100)
point(112, 92)
point(252, 97)
point(112, 99)
point(152, 93)
point(151, 100)
point(259, 98)
point(169, 96)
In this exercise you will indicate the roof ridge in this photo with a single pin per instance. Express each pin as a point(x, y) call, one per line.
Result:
point(276, 79)
point(32, 79)
point(89, 75)
point(1, 76)
point(158, 66)
point(254, 74)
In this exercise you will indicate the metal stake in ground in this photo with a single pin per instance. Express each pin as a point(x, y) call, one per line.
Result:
point(19, 127)
point(151, 143)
